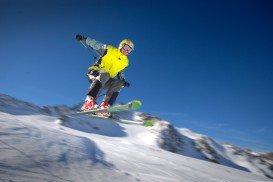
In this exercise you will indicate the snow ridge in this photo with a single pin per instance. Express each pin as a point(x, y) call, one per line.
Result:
point(35, 145)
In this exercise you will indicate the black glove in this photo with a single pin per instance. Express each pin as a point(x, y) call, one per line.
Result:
point(80, 37)
point(126, 84)
point(95, 73)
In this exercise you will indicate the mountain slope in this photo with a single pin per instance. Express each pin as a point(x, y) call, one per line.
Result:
point(36, 146)
point(187, 143)
point(229, 155)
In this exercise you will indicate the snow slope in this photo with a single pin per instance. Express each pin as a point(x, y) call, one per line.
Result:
point(36, 146)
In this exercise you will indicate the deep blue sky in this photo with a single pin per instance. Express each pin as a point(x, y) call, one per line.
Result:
point(204, 65)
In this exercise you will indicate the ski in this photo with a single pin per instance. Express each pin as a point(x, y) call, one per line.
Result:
point(133, 105)
point(118, 119)
point(100, 116)
point(126, 121)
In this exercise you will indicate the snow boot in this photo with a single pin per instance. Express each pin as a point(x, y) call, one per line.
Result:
point(104, 105)
point(89, 103)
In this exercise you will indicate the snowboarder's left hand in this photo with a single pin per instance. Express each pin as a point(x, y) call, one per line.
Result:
point(80, 37)
point(126, 84)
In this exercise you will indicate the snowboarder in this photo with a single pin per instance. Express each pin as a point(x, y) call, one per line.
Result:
point(107, 72)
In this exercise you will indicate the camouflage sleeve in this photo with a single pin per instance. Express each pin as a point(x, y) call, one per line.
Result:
point(100, 48)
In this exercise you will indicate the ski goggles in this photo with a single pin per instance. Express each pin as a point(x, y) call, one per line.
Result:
point(127, 48)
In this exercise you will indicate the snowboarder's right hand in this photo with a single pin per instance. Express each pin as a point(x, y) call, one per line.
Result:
point(80, 37)
point(94, 73)
point(126, 84)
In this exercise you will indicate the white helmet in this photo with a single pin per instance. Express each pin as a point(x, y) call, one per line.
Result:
point(126, 42)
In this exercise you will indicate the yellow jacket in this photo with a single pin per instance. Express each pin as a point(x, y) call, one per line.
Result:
point(113, 61)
